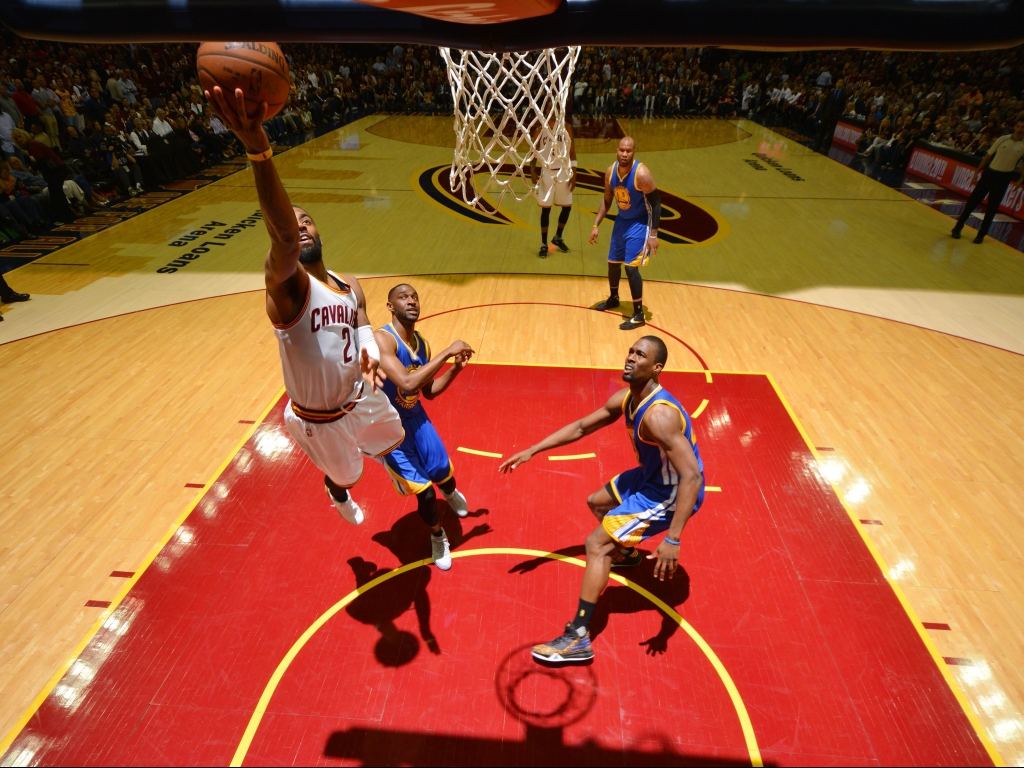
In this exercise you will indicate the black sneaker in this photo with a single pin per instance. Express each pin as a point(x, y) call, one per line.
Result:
point(543, 252)
point(955, 234)
point(610, 303)
point(636, 321)
point(569, 648)
point(978, 240)
point(626, 559)
point(559, 243)
point(11, 298)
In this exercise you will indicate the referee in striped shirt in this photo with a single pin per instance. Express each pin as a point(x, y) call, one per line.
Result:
point(997, 170)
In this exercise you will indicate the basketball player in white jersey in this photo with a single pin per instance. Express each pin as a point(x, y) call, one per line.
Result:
point(551, 189)
point(328, 354)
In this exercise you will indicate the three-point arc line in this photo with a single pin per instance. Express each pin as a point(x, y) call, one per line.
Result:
point(739, 707)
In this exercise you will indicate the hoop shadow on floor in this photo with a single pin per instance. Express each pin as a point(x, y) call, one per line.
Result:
point(618, 599)
point(408, 540)
point(545, 702)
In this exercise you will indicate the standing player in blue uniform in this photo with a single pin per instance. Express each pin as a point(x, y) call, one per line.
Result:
point(421, 460)
point(635, 234)
point(658, 496)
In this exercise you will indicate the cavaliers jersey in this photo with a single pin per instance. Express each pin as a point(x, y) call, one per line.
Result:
point(654, 463)
point(320, 352)
point(632, 202)
point(407, 404)
point(552, 148)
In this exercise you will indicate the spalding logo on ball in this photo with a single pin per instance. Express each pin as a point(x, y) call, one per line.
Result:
point(259, 69)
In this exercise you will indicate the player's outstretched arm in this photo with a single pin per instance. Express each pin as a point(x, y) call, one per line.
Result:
point(606, 203)
point(664, 426)
point(286, 280)
point(435, 387)
point(420, 379)
point(570, 433)
point(644, 181)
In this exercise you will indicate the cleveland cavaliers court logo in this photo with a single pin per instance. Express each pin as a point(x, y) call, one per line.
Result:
point(683, 222)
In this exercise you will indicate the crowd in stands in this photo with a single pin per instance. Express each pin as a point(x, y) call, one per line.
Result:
point(964, 100)
point(82, 124)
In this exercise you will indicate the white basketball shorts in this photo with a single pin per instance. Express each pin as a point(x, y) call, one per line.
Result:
point(553, 192)
point(372, 429)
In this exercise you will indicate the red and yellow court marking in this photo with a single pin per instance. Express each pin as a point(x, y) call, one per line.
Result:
point(940, 662)
point(268, 692)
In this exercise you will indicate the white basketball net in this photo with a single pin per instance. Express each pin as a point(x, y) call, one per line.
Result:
point(503, 101)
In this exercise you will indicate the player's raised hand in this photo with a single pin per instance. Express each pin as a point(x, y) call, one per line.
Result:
point(371, 370)
point(668, 559)
point(249, 130)
point(515, 460)
point(457, 348)
point(593, 234)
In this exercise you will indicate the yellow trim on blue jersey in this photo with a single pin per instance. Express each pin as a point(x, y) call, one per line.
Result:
point(451, 472)
point(404, 486)
point(640, 404)
point(398, 336)
point(662, 402)
point(615, 490)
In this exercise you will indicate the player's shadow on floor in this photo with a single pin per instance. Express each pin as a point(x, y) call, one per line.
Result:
point(408, 540)
point(619, 599)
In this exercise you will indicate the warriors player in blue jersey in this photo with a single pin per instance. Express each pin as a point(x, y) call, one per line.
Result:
point(635, 234)
point(421, 461)
point(658, 496)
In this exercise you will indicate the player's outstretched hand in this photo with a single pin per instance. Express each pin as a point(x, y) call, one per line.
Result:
point(457, 348)
point(461, 359)
point(371, 370)
point(249, 130)
point(593, 234)
point(668, 559)
point(514, 461)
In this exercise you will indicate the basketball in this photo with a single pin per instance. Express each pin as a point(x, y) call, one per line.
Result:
point(259, 69)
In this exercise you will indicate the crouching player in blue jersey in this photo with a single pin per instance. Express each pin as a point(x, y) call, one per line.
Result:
point(658, 496)
point(421, 460)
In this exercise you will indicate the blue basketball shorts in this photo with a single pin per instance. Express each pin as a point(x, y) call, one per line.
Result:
point(644, 509)
point(420, 460)
point(629, 242)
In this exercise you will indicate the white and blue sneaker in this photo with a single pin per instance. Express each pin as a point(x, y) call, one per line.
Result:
point(348, 509)
point(457, 502)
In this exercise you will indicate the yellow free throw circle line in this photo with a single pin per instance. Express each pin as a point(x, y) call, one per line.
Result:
point(275, 679)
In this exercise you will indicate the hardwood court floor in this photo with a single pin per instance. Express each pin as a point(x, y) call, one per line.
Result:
point(269, 631)
point(108, 422)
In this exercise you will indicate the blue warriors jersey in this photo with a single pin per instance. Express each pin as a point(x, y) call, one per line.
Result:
point(631, 202)
point(407, 404)
point(654, 464)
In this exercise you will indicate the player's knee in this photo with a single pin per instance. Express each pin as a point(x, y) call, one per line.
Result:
point(599, 543)
point(426, 501)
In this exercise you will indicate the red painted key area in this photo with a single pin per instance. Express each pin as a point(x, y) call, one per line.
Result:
point(433, 667)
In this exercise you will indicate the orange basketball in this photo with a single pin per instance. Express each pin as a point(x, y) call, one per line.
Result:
point(259, 69)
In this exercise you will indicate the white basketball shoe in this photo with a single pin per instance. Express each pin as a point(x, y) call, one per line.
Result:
point(457, 502)
point(348, 509)
point(440, 551)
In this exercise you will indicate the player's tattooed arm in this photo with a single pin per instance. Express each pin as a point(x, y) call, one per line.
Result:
point(644, 181)
point(369, 353)
point(570, 433)
point(421, 379)
point(664, 427)
point(606, 203)
point(286, 281)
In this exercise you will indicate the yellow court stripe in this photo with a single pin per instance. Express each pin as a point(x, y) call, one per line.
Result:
point(712, 489)
point(261, 707)
point(965, 705)
point(479, 453)
point(707, 376)
point(700, 409)
point(37, 702)
point(573, 457)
